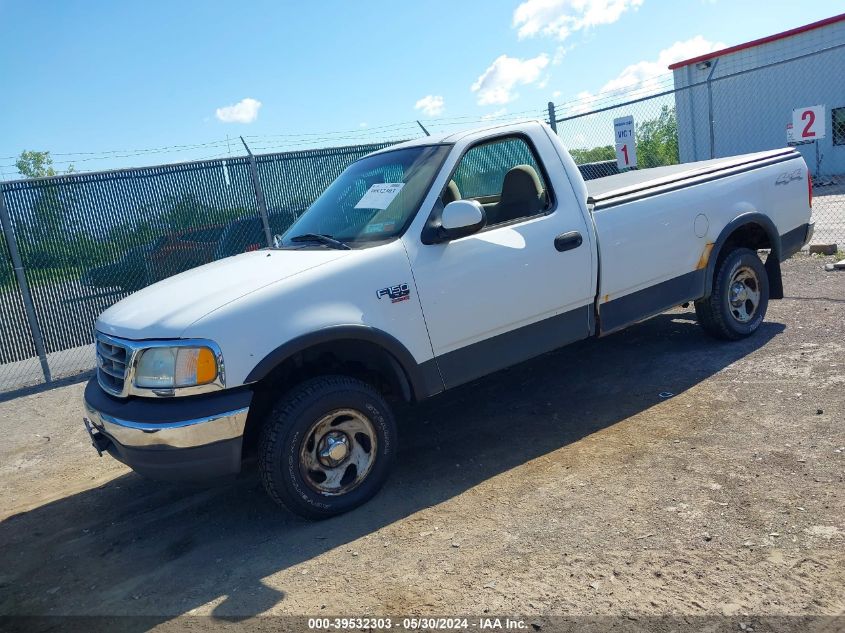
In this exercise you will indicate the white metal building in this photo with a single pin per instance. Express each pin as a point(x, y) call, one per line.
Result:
point(741, 99)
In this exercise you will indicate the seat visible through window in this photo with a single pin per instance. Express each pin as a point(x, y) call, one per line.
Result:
point(451, 193)
point(522, 196)
point(504, 176)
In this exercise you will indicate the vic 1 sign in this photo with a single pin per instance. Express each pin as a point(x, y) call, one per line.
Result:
point(808, 123)
point(626, 146)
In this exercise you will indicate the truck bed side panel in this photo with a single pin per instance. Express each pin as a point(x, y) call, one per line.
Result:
point(654, 248)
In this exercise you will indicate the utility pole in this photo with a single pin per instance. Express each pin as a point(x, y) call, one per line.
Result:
point(552, 121)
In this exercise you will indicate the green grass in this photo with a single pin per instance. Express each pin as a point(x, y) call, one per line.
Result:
point(40, 276)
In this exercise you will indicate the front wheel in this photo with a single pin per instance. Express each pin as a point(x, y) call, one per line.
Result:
point(327, 446)
point(739, 298)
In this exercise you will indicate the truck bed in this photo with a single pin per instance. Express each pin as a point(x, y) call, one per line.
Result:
point(636, 183)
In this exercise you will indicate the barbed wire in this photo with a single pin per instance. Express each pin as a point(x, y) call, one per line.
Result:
point(583, 104)
point(389, 132)
point(363, 134)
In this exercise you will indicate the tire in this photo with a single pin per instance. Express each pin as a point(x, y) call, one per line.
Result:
point(739, 298)
point(319, 439)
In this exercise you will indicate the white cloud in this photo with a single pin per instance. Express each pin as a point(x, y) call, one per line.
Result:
point(495, 115)
point(645, 77)
point(244, 111)
point(642, 72)
point(560, 53)
point(583, 102)
point(363, 124)
point(431, 105)
point(495, 85)
point(561, 18)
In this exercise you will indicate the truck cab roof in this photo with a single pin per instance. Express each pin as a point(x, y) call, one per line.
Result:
point(449, 138)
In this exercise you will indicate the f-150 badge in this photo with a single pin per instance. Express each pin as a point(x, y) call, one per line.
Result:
point(397, 293)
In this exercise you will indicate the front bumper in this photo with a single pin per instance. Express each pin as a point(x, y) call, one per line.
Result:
point(191, 438)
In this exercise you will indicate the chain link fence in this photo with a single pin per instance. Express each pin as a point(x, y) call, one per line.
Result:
point(724, 108)
point(84, 241)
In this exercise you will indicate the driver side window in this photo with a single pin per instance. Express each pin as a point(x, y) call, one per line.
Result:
point(505, 177)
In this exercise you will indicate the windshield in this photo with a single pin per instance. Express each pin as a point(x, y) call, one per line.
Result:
point(374, 199)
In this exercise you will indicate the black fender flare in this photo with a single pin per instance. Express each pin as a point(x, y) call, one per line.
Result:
point(418, 380)
point(772, 261)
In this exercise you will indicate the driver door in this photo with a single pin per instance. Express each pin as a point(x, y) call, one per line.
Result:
point(506, 293)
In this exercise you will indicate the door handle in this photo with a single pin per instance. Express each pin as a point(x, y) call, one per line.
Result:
point(568, 241)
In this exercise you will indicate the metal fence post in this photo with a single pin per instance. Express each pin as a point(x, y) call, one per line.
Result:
point(710, 108)
point(552, 121)
point(26, 295)
point(259, 195)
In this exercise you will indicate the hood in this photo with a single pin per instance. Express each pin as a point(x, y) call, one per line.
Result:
point(166, 308)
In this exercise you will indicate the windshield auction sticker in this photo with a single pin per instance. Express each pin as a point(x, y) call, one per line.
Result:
point(380, 195)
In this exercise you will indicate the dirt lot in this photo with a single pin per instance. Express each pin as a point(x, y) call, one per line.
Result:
point(566, 485)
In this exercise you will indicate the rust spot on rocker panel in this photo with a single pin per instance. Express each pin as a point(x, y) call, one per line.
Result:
point(705, 256)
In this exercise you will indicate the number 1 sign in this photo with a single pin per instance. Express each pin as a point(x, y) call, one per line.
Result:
point(808, 123)
point(626, 146)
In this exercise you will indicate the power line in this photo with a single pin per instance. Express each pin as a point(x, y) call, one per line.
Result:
point(653, 84)
point(391, 132)
point(144, 150)
point(301, 138)
point(364, 130)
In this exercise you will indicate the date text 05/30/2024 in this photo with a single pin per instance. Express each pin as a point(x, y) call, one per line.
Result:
point(418, 623)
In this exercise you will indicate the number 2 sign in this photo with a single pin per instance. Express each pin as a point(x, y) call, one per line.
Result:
point(808, 123)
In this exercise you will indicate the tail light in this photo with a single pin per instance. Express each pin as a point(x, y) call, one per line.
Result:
point(809, 189)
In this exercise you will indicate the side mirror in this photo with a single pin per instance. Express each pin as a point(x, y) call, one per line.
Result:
point(461, 218)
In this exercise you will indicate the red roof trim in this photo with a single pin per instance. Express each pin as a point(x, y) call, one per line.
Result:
point(762, 40)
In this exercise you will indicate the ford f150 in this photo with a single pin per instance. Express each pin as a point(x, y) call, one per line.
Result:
point(422, 267)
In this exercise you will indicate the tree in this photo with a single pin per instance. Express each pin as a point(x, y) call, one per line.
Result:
point(185, 212)
point(35, 164)
point(657, 140)
point(32, 164)
point(593, 155)
point(47, 226)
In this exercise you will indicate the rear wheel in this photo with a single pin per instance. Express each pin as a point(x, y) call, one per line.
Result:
point(739, 298)
point(327, 446)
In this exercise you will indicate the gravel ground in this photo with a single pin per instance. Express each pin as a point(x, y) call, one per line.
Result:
point(566, 486)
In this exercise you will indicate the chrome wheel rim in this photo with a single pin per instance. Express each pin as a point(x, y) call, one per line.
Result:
point(338, 452)
point(744, 294)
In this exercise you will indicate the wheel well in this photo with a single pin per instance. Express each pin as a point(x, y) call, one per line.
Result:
point(750, 235)
point(754, 236)
point(359, 359)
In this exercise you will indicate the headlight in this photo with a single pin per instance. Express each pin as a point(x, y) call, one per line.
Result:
point(174, 367)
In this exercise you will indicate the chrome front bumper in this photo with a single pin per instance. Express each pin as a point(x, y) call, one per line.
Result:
point(183, 434)
point(191, 438)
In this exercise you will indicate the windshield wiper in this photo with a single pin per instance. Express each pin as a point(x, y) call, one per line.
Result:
point(328, 240)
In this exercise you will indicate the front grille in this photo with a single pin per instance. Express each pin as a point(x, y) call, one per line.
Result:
point(111, 365)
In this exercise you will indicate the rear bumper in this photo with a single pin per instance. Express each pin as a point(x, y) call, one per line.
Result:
point(192, 438)
point(793, 241)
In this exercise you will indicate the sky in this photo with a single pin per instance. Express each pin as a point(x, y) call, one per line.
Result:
point(108, 84)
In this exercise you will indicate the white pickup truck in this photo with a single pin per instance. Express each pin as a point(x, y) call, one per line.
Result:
point(422, 267)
